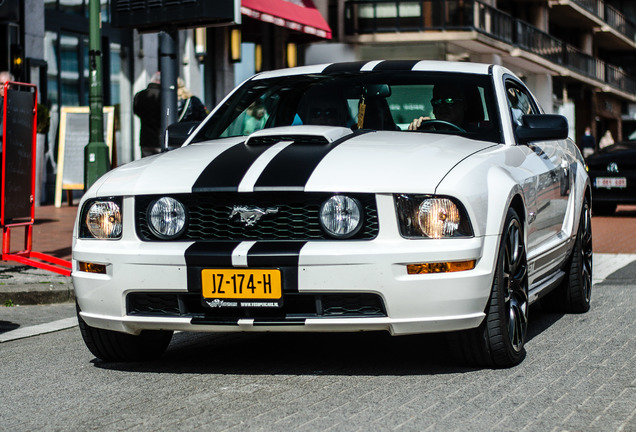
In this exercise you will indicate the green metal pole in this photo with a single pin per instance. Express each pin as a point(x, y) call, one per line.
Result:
point(96, 157)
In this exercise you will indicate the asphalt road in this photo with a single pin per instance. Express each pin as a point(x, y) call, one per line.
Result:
point(579, 375)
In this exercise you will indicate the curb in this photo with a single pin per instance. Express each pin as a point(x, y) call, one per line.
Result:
point(26, 285)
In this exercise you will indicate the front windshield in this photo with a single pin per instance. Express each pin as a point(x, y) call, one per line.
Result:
point(461, 104)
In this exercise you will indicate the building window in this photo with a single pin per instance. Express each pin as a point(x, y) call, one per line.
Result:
point(78, 7)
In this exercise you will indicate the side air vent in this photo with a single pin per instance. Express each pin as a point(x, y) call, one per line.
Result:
point(273, 139)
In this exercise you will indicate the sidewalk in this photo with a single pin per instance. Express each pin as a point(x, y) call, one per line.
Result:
point(53, 231)
point(52, 235)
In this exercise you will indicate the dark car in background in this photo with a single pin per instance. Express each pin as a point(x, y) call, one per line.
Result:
point(613, 174)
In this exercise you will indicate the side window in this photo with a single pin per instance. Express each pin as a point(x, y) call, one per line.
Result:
point(520, 103)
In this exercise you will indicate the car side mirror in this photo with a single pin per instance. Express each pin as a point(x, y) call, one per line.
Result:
point(178, 133)
point(542, 127)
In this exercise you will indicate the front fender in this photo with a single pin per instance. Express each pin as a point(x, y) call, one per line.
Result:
point(486, 184)
point(487, 191)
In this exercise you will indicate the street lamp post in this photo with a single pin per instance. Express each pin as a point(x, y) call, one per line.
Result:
point(96, 157)
point(168, 64)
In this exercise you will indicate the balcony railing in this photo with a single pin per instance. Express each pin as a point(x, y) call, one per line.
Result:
point(532, 39)
point(616, 77)
point(494, 22)
point(593, 6)
point(618, 21)
point(612, 16)
point(384, 16)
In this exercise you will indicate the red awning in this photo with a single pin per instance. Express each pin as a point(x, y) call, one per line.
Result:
point(299, 15)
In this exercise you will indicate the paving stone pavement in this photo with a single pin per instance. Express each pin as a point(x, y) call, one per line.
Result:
point(579, 375)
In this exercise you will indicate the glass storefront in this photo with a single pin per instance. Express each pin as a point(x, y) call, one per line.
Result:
point(66, 52)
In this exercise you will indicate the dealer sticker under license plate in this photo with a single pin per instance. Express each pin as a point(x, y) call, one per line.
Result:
point(241, 287)
point(611, 182)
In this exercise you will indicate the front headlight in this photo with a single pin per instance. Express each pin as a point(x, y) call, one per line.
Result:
point(167, 218)
point(341, 216)
point(102, 220)
point(431, 217)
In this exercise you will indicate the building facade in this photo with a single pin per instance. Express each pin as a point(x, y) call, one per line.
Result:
point(46, 43)
point(577, 56)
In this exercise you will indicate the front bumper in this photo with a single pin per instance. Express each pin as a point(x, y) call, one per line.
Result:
point(411, 303)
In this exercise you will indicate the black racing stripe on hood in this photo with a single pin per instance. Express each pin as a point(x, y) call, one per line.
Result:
point(396, 65)
point(284, 255)
point(344, 67)
point(293, 166)
point(202, 255)
point(226, 171)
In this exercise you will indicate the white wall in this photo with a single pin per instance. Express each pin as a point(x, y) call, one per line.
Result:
point(326, 52)
point(541, 87)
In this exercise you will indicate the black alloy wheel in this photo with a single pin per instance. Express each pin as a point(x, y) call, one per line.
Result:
point(585, 257)
point(499, 341)
point(515, 285)
point(574, 295)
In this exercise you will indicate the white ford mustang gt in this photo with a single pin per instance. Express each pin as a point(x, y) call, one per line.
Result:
point(400, 196)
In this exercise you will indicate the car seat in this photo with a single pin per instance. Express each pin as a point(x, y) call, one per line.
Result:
point(377, 114)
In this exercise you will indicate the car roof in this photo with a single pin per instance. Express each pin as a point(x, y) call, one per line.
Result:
point(382, 65)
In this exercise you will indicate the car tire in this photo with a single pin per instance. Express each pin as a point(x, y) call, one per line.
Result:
point(499, 341)
point(604, 209)
point(575, 293)
point(112, 346)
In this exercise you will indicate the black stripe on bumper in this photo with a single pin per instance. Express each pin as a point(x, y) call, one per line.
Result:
point(282, 255)
point(275, 322)
point(206, 255)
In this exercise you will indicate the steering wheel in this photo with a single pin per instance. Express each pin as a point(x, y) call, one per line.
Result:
point(433, 122)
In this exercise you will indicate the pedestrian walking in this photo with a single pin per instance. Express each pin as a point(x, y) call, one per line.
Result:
point(589, 143)
point(606, 139)
point(147, 105)
point(189, 107)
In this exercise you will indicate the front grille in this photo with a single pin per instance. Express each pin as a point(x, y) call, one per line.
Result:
point(297, 217)
point(352, 305)
point(154, 304)
point(295, 306)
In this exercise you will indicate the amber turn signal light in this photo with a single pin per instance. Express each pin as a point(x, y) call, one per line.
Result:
point(92, 267)
point(440, 267)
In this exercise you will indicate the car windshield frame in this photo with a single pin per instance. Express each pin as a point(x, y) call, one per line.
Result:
point(283, 97)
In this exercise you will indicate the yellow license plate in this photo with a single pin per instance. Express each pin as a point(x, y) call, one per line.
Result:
point(241, 284)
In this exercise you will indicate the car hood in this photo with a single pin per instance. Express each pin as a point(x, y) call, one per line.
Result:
point(297, 158)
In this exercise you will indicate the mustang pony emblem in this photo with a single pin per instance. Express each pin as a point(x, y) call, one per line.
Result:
point(250, 214)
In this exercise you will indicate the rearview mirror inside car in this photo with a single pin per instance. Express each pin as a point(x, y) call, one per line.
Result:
point(377, 90)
